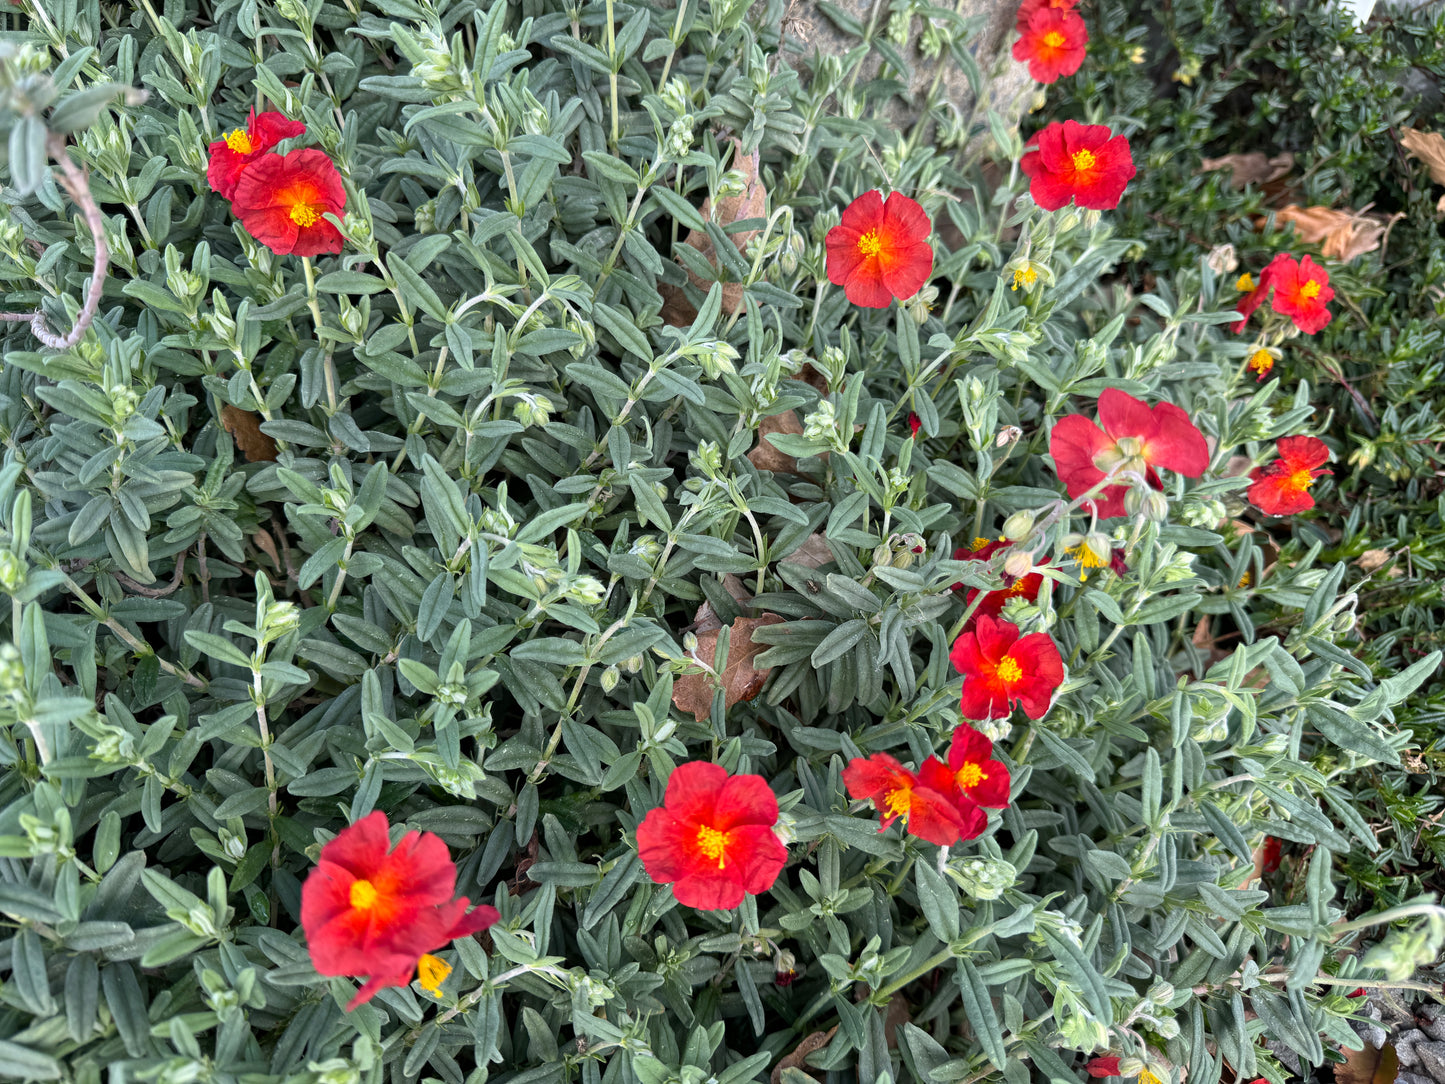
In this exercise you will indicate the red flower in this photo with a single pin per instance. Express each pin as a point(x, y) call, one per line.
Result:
point(1052, 43)
point(1261, 361)
point(1134, 437)
point(367, 911)
point(914, 424)
point(1025, 587)
point(922, 800)
point(712, 838)
point(999, 668)
point(880, 250)
point(232, 154)
point(1301, 292)
point(977, 775)
point(1028, 7)
point(1269, 854)
point(280, 200)
point(1083, 162)
point(1253, 297)
point(1282, 488)
point(1103, 1067)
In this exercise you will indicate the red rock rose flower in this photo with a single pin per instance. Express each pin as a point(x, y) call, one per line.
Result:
point(979, 778)
point(1102, 1067)
point(1302, 291)
point(1085, 163)
point(1132, 437)
point(880, 250)
point(281, 199)
point(242, 146)
point(1283, 487)
point(1261, 362)
point(370, 910)
point(925, 800)
point(1052, 43)
point(712, 838)
point(1028, 7)
point(1000, 668)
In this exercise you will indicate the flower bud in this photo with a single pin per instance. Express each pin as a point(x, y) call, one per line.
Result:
point(610, 677)
point(1019, 525)
point(1018, 564)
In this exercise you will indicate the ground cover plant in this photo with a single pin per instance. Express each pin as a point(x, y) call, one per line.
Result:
point(548, 543)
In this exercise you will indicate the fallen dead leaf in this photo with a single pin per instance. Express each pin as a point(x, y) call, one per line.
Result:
point(894, 1018)
point(740, 680)
point(1253, 168)
point(814, 553)
point(809, 1045)
point(812, 377)
point(766, 457)
point(1371, 560)
point(1429, 147)
point(706, 618)
point(1342, 235)
point(1368, 1066)
point(245, 429)
point(751, 203)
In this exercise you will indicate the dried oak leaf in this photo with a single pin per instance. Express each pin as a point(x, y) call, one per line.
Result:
point(245, 429)
point(752, 202)
point(809, 1045)
point(740, 680)
point(764, 456)
point(1368, 1066)
point(1429, 147)
point(1256, 167)
point(1342, 235)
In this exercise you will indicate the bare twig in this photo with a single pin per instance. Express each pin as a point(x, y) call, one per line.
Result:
point(154, 592)
point(74, 180)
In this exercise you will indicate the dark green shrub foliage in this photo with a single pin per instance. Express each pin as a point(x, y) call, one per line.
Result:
point(510, 483)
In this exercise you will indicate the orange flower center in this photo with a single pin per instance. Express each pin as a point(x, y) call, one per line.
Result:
point(1301, 480)
point(1054, 40)
point(870, 244)
point(1018, 588)
point(979, 543)
point(1262, 361)
point(1310, 290)
point(239, 141)
point(1009, 670)
point(1084, 160)
point(431, 972)
point(304, 215)
point(971, 775)
point(898, 802)
point(364, 895)
point(713, 844)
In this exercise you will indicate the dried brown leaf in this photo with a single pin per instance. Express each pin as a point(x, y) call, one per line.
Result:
point(706, 618)
point(764, 456)
point(1368, 1066)
point(245, 429)
point(1429, 147)
point(751, 203)
point(741, 681)
point(809, 1045)
point(1253, 168)
point(1372, 560)
point(894, 1018)
point(814, 553)
point(1342, 235)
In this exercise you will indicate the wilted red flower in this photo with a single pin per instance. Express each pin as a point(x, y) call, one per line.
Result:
point(281, 199)
point(368, 910)
point(1253, 297)
point(1282, 488)
point(923, 800)
point(1301, 292)
point(1025, 587)
point(242, 146)
point(1085, 163)
point(914, 424)
point(880, 250)
point(1269, 853)
point(977, 775)
point(1134, 437)
point(1028, 7)
point(712, 838)
point(1261, 362)
point(1102, 1067)
point(999, 667)
point(1052, 43)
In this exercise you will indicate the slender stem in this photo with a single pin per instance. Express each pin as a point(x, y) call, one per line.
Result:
point(95, 611)
point(265, 730)
point(612, 70)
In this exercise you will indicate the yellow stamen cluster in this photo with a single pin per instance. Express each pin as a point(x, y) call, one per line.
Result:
point(363, 895)
point(713, 844)
point(431, 972)
point(1009, 670)
point(971, 775)
point(1310, 290)
point(1244, 283)
point(1084, 160)
point(870, 244)
point(1025, 277)
point(304, 215)
point(239, 141)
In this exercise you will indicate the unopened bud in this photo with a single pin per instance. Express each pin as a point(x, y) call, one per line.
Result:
point(610, 677)
point(1018, 564)
point(1019, 525)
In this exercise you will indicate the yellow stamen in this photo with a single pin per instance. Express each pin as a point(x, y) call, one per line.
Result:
point(713, 844)
point(304, 215)
point(870, 244)
point(1300, 480)
point(363, 895)
point(1146, 1077)
point(1261, 361)
point(1310, 290)
point(1054, 40)
point(1084, 160)
point(971, 775)
point(1025, 277)
point(1244, 284)
point(1085, 556)
point(1009, 670)
point(979, 543)
point(239, 141)
point(898, 802)
point(431, 972)
point(1245, 580)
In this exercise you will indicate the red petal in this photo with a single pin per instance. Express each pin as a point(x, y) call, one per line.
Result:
point(474, 922)
point(934, 818)
point(745, 800)
point(995, 638)
point(759, 856)
point(709, 889)
point(1274, 493)
point(874, 777)
point(984, 698)
point(864, 213)
point(866, 289)
point(361, 848)
point(693, 790)
point(665, 846)
point(1301, 452)
point(270, 128)
point(1121, 415)
point(224, 169)
point(1043, 668)
point(908, 217)
point(968, 747)
point(389, 971)
point(1073, 444)
point(1177, 444)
